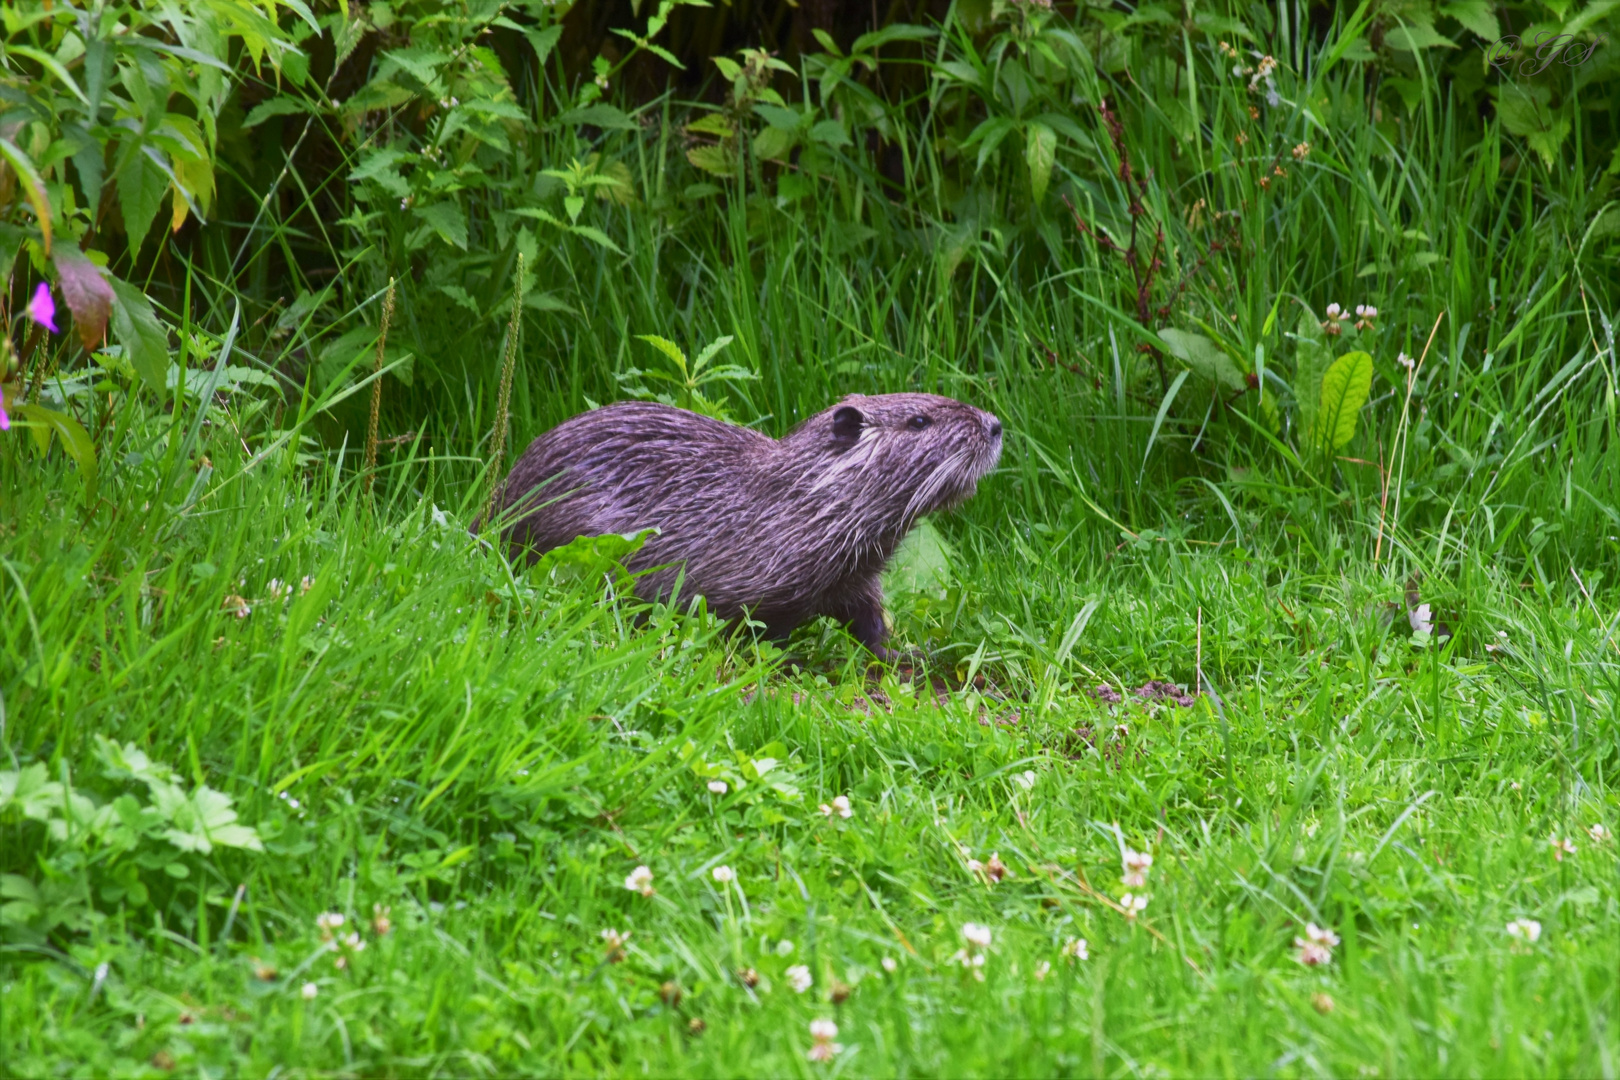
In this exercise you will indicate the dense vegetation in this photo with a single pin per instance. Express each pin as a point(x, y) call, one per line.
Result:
point(1298, 575)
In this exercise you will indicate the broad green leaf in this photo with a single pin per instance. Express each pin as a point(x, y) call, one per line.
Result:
point(542, 42)
point(45, 423)
point(667, 347)
point(145, 340)
point(1345, 387)
point(33, 186)
point(1477, 16)
point(422, 63)
point(716, 160)
point(280, 105)
point(1206, 359)
point(447, 220)
point(1416, 36)
point(141, 184)
point(596, 236)
point(830, 133)
point(606, 117)
point(1040, 151)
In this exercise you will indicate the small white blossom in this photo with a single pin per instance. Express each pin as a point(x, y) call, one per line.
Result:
point(976, 934)
point(784, 947)
point(1526, 930)
point(718, 787)
point(798, 977)
point(724, 874)
point(1598, 833)
point(1133, 904)
point(1025, 780)
point(823, 1032)
point(840, 806)
point(1042, 970)
point(1560, 848)
point(309, 991)
point(1076, 949)
point(640, 880)
point(1137, 865)
point(1316, 947)
point(890, 964)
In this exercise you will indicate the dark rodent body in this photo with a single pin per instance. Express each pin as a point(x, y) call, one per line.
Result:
point(784, 529)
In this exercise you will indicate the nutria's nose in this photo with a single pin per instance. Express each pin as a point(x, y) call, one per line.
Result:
point(995, 428)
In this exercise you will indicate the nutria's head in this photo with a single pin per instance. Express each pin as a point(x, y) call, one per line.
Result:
point(912, 454)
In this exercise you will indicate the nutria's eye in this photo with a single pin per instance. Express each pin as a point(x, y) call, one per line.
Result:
point(917, 423)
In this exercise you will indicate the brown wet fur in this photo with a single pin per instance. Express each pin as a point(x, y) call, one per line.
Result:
point(784, 529)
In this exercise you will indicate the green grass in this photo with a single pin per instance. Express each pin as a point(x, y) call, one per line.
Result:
point(489, 754)
point(488, 751)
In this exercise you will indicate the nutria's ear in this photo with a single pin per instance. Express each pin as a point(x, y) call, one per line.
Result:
point(847, 423)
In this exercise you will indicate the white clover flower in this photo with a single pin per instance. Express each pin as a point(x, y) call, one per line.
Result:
point(309, 991)
point(1560, 848)
point(1137, 865)
point(718, 787)
point(1321, 935)
point(1334, 311)
point(823, 1032)
point(724, 874)
point(840, 806)
point(1133, 904)
point(1316, 947)
point(1025, 780)
point(278, 589)
point(976, 934)
point(1598, 833)
point(1406, 361)
point(354, 942)
point(305, 585)
point(1042, 970)
point(328, 923)
point(640, 881)
point(1526, 930)
point(1311, 954)
point(890, 964)
point(1076, 949)
point(798, 977)
point(615, 943)
point(784, 947)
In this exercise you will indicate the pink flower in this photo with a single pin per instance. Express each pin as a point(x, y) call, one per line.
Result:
point(5, 420)
point(42, 309)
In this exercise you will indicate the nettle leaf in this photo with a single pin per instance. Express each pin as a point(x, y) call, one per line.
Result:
point(145, 339)
point(422, 63)
point(447, 220)
point(141, 184)
point(33, 186)
point(86, 291)
point(716, 160)
point(280, 105)
point(1346, 385)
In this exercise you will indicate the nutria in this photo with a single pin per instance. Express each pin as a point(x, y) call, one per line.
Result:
point(781, 529)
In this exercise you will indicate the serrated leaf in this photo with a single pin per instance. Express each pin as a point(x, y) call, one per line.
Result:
point(86, 291)
point(1477, 16)
point(606, 117)
point(1040, 151)
point(141, 184)
point(280, 105)
point(543, 41)
point(596, 236)
point(716, 160)
point(144, 338)
point(712, 124)
point(447, 220)
point(422, 63)
point(1346, 385)
point(667, 347)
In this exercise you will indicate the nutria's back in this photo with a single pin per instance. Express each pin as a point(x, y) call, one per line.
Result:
point(787, 529)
